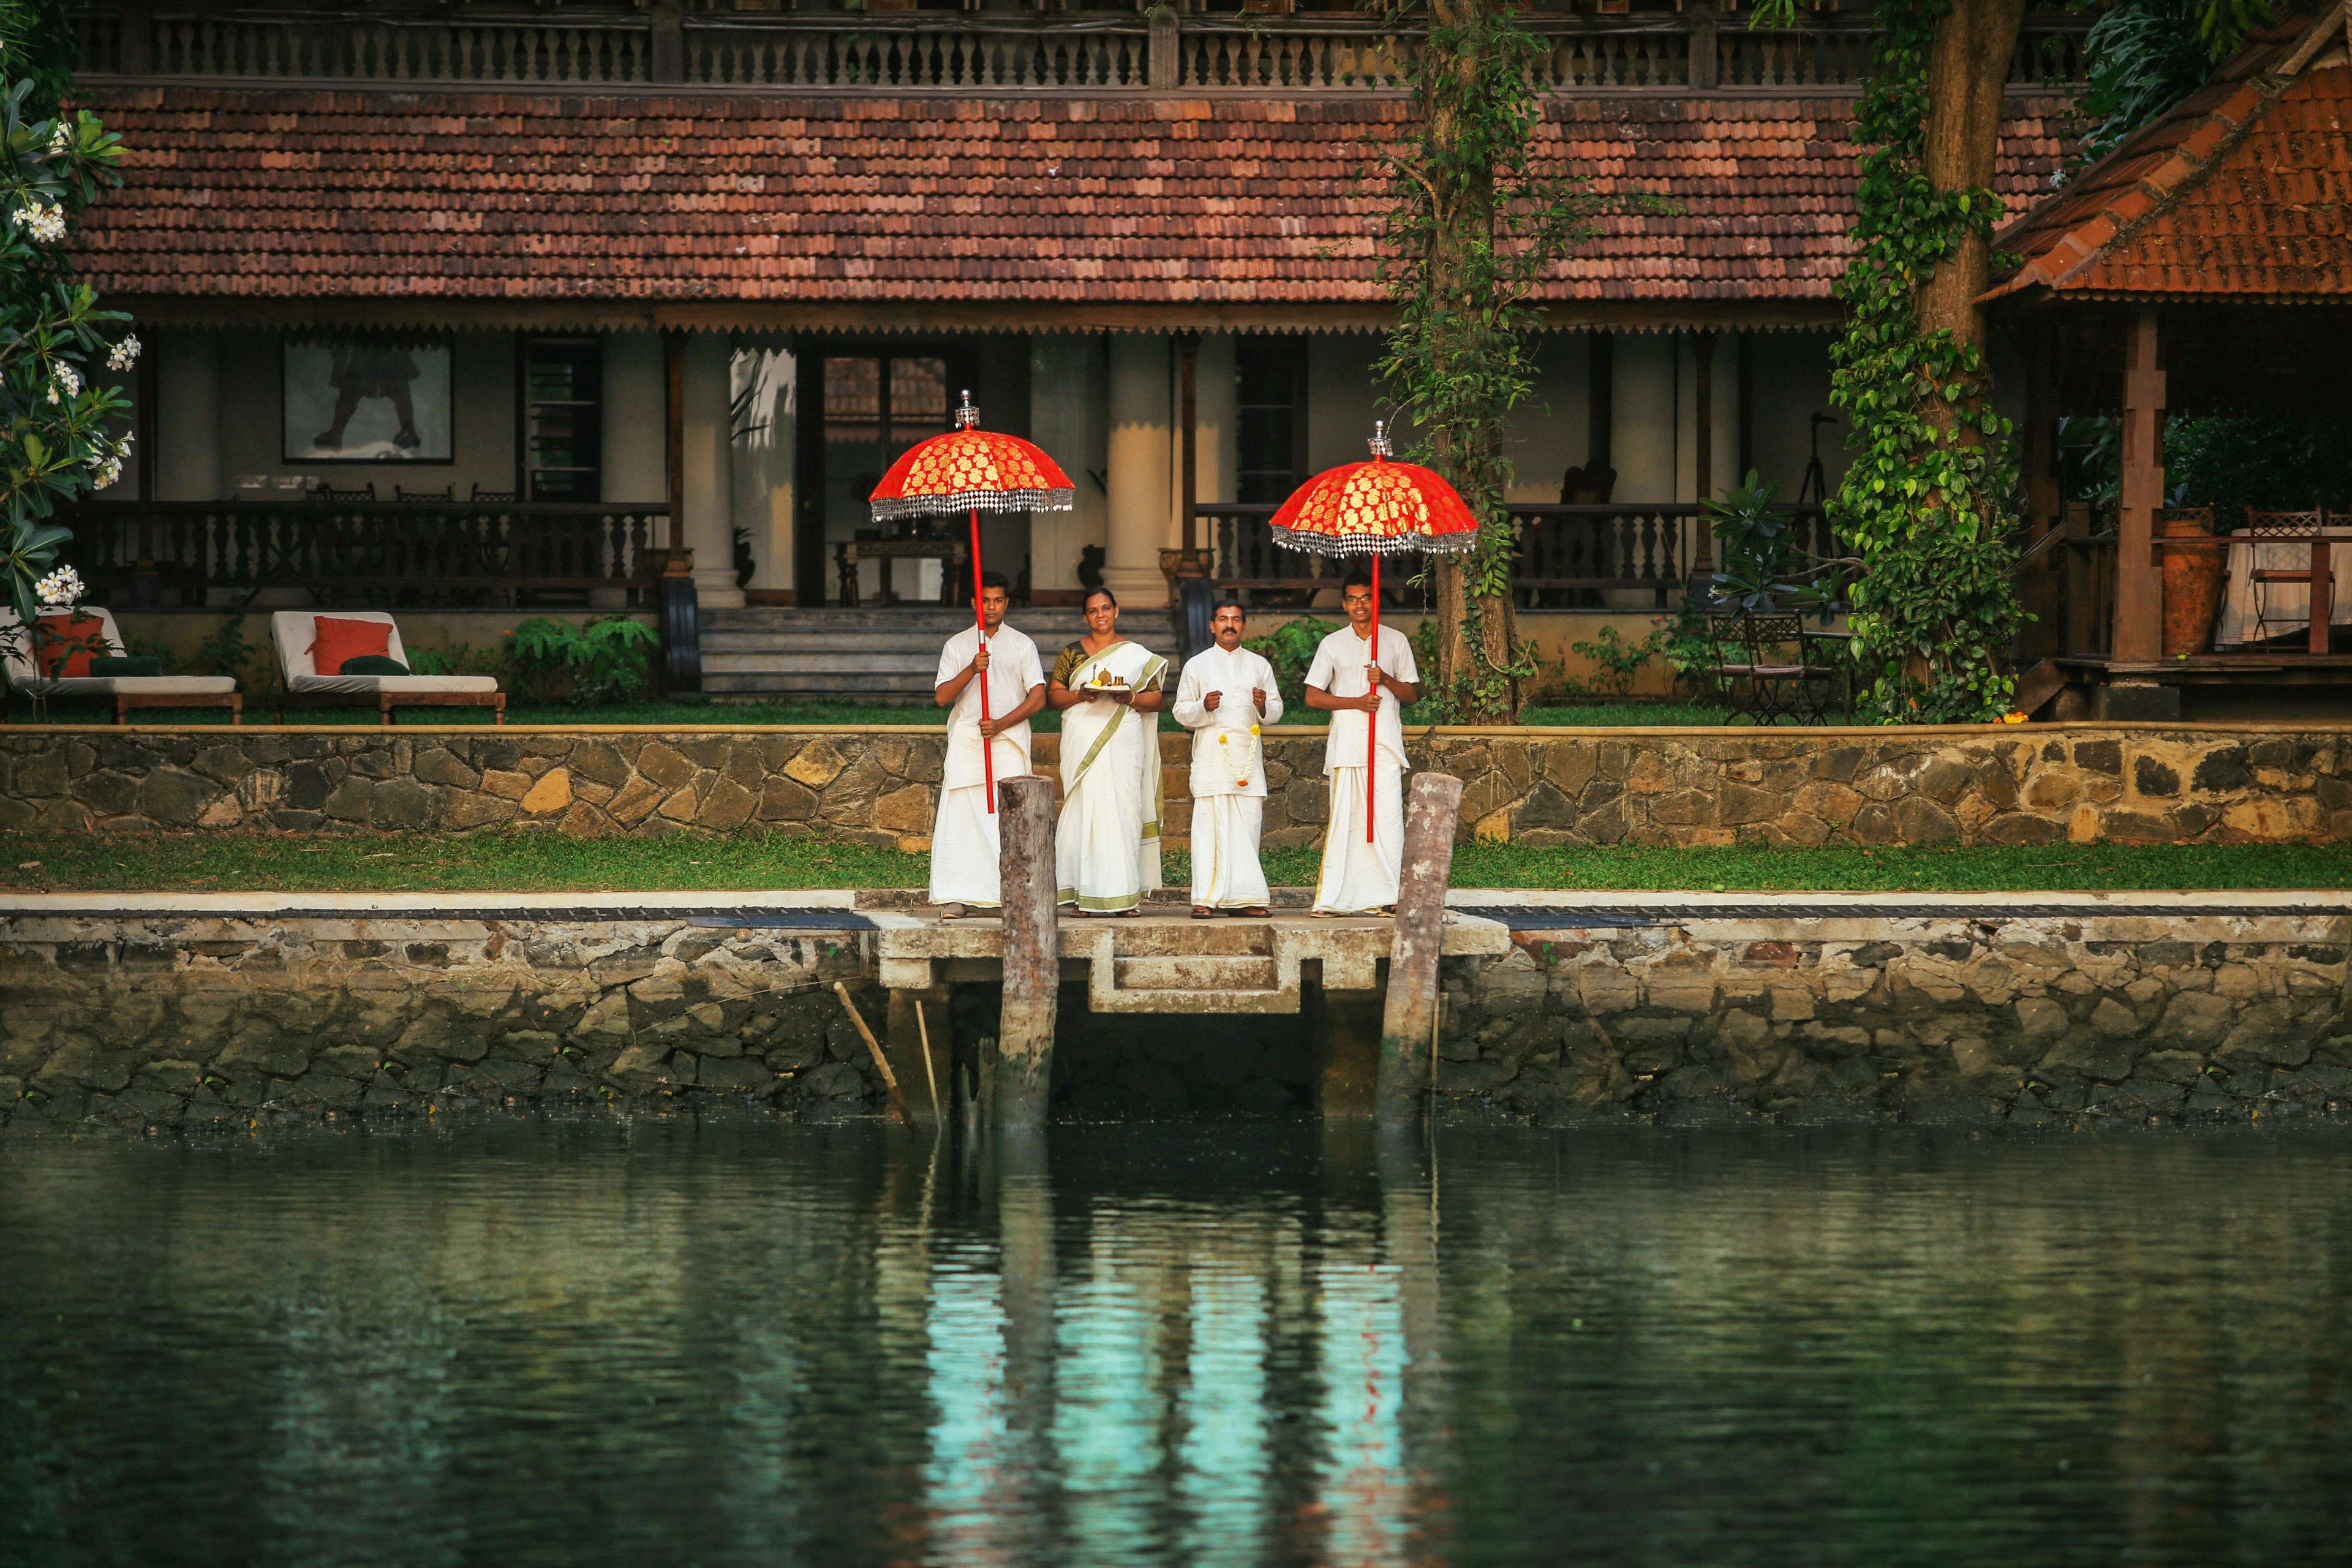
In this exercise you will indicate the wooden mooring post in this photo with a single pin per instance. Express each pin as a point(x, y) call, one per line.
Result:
point(1431, 808)
point(1033, 951)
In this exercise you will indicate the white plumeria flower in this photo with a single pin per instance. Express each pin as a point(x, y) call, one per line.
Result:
point(64, 381)
point(60, 589)
point(105, 471)
point(47, 224)
point(125, 354)
point(61, 141)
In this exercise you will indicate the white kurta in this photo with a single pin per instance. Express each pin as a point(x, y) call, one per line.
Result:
point(964, 842)
point(1359, 876)
point(1107, 844)
point(1228, 773)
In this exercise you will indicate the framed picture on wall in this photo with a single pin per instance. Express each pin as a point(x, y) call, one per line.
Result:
point(366, 398)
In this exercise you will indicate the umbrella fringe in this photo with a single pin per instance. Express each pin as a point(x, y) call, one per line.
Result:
point(899, 507)
point(1369, 545)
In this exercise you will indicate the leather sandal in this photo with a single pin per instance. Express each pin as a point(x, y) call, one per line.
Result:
point(1256, 912)
point(1203, 912)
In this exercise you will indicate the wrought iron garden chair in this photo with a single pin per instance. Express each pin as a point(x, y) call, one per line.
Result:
point(2275, 527)
point(1774, 668)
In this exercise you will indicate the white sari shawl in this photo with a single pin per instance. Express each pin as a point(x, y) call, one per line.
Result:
point(1111, 785)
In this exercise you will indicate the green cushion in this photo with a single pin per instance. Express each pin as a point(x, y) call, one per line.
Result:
point(131, 664)
point(373, 664)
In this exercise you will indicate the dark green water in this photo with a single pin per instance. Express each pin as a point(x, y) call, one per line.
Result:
point(743, 1343)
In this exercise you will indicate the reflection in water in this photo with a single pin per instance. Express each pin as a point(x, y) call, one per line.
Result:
point(739, 1343)
point(969, 1467)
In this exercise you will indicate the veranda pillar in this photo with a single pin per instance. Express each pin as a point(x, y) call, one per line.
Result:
point(707, 460)
point(2140, 578)
point(1141, 479)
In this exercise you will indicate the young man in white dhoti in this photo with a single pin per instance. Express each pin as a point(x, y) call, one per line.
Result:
point(1107, 846)
point(1358, 685)
point(964, 841)
point(1223, 695)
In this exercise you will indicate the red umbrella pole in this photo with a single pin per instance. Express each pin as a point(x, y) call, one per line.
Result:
point(1373, 734)
point(979, 629)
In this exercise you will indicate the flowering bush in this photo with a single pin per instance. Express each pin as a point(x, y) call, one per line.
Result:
point(60, 434)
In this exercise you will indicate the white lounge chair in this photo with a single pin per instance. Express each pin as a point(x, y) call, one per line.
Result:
point(128, 691)
point(292, 633)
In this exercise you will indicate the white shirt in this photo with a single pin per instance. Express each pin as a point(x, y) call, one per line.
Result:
point(1339, 669)
point(1012, 673)
point(1227, 758)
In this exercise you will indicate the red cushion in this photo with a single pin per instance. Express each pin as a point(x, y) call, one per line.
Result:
point(338, 639)
point(64, 644)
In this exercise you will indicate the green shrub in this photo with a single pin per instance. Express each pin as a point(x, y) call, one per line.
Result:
point(1290, 648)
point(1616, 662)
point(602, 661)
point(457, 658)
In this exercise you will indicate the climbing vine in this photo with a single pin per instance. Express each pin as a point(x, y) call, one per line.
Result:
point(1929, 503)
point(1473, 225)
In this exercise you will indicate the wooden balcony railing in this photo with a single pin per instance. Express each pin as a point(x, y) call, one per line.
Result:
point(1570, 557)
point(421, 553)
point(615, 42)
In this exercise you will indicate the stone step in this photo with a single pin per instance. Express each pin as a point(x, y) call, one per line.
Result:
point(888, 690)
point(924, 662)
point(863, 643)
point(1221, 939)
point(1061, 622)
point(1182, 977)
point(886, 654)
point(1201, 971)
point(1222, 1003)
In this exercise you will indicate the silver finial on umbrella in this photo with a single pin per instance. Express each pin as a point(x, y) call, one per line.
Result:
point(966, 414)
point(1380, 447)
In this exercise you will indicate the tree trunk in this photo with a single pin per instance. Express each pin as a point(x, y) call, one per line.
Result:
point(1967, 70)
point(1469, 454)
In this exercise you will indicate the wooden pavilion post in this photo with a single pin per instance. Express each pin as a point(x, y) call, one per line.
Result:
point(2139, 579)
point(1703, 446)
point(674, 439)
point(2038, 439)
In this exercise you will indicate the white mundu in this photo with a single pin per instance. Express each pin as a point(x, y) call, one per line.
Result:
point(1228, 773)
point(1107, 846)
point(1358, 875)
point(963, 834)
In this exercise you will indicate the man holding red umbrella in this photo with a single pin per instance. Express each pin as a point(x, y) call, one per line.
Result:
point(1003, 668)
point(1360, 682)
point(989, 674)
point(1362, 675)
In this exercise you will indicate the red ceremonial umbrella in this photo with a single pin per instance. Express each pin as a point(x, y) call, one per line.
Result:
point(974, 471)
point(1377, 508)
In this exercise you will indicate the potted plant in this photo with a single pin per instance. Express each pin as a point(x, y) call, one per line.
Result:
point(1764, 565)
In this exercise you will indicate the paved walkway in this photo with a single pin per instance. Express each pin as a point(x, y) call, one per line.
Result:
point(894, 907)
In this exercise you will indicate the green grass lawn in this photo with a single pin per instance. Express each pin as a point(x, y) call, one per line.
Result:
point(548, 862)
point(674, 714)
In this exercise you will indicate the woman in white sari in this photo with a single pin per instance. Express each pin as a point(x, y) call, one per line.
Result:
point(1106, 846)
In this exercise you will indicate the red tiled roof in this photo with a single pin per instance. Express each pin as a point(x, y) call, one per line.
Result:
point(470, 196)
point(2240, 192)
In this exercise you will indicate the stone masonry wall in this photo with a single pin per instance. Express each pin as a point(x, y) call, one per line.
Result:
point(149, 1020)
point(2029, 1021)
point(160, 1021)
point(2130, 782)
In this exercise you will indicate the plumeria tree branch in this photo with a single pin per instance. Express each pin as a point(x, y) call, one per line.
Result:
point(62, 433)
